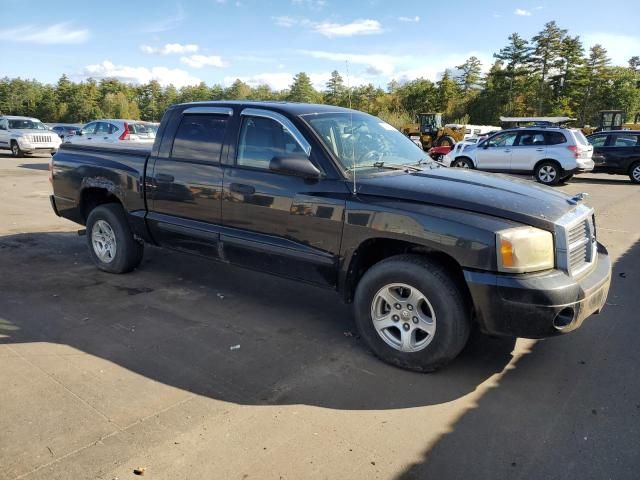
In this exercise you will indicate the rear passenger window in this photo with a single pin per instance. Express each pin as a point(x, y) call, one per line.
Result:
point(261, 139)
point(200, 137)
point(555, 138)
point(598, 141)
point(531, 139)
point(625, 140)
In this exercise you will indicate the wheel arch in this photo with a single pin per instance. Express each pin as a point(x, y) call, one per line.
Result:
point(92, 197)
point(540, 162)
point(374, 250)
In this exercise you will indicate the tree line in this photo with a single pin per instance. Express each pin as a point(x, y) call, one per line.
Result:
point(549, 74)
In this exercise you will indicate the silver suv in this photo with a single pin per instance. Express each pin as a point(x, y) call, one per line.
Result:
point(551, 154)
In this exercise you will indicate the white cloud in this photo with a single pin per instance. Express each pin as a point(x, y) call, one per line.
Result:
point(285, 21)
point(376, 64)
point(522, 12)
point(170, 48)
point(169, 22)
point(357, 27)
point(415, 19)
point(435, 66)
point(57, 34)
point(620, 48)
point(164, 76)
point(199, 61)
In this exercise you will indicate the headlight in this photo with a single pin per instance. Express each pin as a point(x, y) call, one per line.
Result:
point(524, 249)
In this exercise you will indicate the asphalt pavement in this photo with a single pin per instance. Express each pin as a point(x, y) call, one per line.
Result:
point(190, 369)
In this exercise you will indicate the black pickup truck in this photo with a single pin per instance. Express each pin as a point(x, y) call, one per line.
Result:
point(341, 199)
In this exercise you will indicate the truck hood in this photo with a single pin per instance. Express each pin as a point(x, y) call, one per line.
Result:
point(490, 194)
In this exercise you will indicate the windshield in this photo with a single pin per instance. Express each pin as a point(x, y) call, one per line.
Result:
point(359, 141)
point(26, 124)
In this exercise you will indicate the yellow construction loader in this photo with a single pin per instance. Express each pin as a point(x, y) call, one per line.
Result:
point(612, 120)
point(429, 131)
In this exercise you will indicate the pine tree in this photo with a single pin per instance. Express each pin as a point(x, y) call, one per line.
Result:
point(515, 57)
point(595, 74)
point(546, 55)
point(302, 90)
point(335, 89)
point(469, 78)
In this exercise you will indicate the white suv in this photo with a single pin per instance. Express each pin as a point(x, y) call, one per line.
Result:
point(115, 131)
point(26, 135)
point(552, 154)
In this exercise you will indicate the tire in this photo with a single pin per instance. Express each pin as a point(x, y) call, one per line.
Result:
point(634, 172)
point(428, 345)
point(462, 163)
point(111, 244)
point(446, 141)
point(16, 151)
point(548, 173)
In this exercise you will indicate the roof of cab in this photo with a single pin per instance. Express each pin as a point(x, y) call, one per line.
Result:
point(293, 108)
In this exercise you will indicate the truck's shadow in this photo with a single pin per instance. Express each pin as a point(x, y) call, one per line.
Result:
point(562, 413)
point(179, 320)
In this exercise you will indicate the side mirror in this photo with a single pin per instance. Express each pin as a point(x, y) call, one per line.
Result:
point(299, 166)
point(485, 145)
point(80, 132)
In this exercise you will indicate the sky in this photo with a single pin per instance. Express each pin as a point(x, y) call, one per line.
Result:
point(184, 42)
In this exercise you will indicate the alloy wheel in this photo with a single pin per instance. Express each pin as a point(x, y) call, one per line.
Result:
point(403, 317)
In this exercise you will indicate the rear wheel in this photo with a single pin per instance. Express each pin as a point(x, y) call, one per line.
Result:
point(412, 313)
point(462, 163)
point(110, 240)
point(548, 173)
point(634, 172)
point(16, 151)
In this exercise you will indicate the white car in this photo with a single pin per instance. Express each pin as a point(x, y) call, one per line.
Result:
point(552, 154)
point(114, 131)
point(26, 135)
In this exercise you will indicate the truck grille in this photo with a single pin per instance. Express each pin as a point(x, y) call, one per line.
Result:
point(575, 241)
point(40, 138)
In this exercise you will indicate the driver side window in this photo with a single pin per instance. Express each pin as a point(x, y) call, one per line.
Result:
point(90, 128)
point(262, 139)
point(503, 140)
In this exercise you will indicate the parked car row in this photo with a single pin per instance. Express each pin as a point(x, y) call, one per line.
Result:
point(115, 131)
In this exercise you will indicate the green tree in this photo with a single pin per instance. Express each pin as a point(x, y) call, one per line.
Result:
point(470, 74)
point(302, 90)
point(334, 93)
point(546, 55)
point(238, 91)
point(514, 58)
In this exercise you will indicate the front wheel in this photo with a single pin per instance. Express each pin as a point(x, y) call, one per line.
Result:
point(462, 163)
point(111, 243)
point(412, 313)
point(16, 151)
point(634, 172)
point(548, 173)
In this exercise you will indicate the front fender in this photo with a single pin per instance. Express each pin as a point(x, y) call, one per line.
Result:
point(466, 237)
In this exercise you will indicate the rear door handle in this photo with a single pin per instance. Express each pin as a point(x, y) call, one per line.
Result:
point(163, 177)
point(507, 150)
point(539, 149)
point(242, 188)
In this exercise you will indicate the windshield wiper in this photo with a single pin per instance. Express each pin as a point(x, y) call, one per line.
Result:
point(381, 165)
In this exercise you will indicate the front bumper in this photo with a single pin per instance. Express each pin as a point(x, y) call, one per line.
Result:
point(539, 305)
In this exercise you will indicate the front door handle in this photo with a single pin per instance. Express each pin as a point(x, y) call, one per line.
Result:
point(242, 188)
point(508, 150)
point(165, 178)
point(539, 149)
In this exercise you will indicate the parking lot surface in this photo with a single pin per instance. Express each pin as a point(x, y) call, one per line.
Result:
point(191, 369)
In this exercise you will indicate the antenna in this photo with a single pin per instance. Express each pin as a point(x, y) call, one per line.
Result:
point(353, 147)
